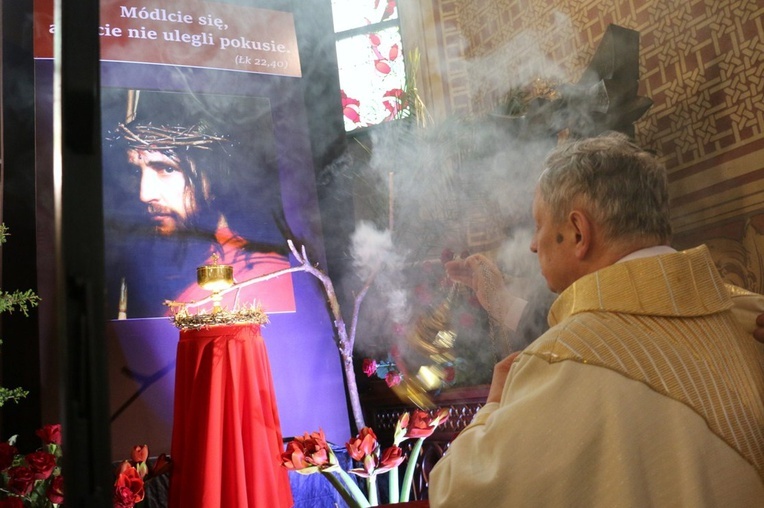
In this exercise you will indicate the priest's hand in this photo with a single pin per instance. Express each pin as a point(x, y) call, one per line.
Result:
point(758, 332)
point(463, 270)
point(484, 277)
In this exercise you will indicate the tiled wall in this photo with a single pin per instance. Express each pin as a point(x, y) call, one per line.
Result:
point(701, 62)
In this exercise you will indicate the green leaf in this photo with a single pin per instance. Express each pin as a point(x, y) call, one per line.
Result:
point(18, 300)
point(7, 394)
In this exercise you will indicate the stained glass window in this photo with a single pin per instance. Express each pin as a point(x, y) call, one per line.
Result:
point(370, 57)
point(349, 14)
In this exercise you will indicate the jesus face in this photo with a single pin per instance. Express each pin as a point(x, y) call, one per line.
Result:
point(164, 188)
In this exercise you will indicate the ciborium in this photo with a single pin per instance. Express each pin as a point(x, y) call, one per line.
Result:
point(216, 278)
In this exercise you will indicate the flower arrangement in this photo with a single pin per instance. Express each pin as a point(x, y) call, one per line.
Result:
point(389, 370)
point(132, 475)
point(32, 480)
point(385, 369)
point(312, 454)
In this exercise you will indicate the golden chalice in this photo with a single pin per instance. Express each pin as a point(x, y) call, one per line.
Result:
point(215, 278)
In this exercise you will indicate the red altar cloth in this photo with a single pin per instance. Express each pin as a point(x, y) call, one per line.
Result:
point(226, 438)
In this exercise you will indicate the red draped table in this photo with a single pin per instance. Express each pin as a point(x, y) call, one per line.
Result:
point(226, 438)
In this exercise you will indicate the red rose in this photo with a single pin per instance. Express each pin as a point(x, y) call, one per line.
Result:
point(20, 480)
point(363, 444)
point(50, 434)
point(12, 502)
point(56, 490)
point(7, 452)
point(41, 464)
point(128, 489)
point(369, 367)
point(123, 497)
point(393, 378)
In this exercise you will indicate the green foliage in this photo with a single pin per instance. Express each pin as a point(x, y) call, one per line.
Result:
point(8, 394)
point(18, 300)
point(9, 302)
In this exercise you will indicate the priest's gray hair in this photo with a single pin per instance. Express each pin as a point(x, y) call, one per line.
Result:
point(623, 187)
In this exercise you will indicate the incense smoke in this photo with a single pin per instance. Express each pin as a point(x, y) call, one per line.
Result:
point(374, 256)
point(466, 185)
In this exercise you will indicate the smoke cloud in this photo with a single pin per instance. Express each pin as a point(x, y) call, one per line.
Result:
point(375, 256)
point(463, 185)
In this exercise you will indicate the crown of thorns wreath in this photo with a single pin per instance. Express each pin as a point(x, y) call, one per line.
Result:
point(164, 137)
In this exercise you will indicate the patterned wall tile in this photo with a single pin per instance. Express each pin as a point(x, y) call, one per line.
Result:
point(701, 62)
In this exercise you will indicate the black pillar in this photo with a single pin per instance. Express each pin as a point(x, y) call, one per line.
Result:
point(79, 247)
point(20, 352)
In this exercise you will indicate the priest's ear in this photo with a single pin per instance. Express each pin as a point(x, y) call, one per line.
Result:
point(582, 230)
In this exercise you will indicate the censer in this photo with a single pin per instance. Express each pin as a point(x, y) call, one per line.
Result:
point(432, 338)
point(216, 278)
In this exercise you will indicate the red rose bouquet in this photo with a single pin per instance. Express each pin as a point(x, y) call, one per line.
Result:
point(33, 479)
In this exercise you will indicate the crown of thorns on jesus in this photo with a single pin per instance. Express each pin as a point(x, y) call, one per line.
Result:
point(151, 137)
